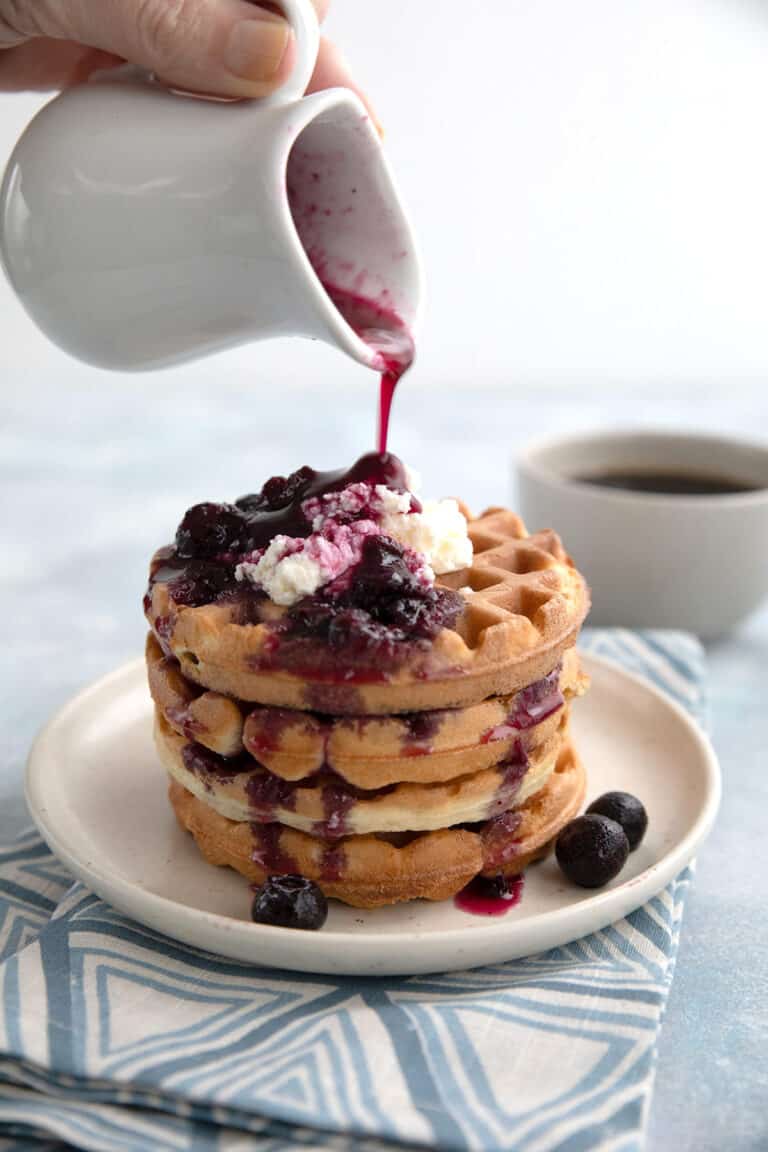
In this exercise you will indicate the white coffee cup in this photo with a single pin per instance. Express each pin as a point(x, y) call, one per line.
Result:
point(142, 227)
point(698, 562)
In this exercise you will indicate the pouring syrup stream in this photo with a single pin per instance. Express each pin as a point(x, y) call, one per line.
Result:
point(387, 334)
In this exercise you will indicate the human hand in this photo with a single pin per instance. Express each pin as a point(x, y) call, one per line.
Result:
point(218, 47)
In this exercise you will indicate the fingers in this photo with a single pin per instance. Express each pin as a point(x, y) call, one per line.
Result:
point(41, 65)
point(221, 47)
point(332, 70)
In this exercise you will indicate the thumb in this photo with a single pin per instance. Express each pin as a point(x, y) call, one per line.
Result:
point(219, 47)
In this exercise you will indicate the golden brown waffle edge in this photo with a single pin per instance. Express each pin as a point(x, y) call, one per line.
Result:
point(369, 872)
point(525, 603)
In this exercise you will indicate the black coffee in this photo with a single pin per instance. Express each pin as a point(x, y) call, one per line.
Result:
point(670, 483)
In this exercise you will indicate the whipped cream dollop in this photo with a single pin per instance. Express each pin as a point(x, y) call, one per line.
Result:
point(434, 533)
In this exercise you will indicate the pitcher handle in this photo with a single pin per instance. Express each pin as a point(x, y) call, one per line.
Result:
point(302, 17)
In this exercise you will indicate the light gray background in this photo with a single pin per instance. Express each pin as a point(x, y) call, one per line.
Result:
point(589, 184)
point(592, 175)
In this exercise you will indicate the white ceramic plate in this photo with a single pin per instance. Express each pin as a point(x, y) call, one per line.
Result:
point(98, 795)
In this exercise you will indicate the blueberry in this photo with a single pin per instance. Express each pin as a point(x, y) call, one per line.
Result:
point(386, 604)
point(208, 529)
point(626, 810)
point(591, 850)
point(290, 902)
point(280, 491)
point(383, 568)
point(200, 582)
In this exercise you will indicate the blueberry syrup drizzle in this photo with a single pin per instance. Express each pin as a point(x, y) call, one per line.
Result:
point(229, 531)
point(267, 852)
point(385, 332)
point(208, 766)
point(390, 378)
point(530, 706)
point(513, 771)
point(339, 798)
point(182, 720)
point(333, 862)
point(499, 843)
point(163, 632)
point(338, 801)
point(265, 728)
point(490, 896)
point(421, 729)
point(266, 793)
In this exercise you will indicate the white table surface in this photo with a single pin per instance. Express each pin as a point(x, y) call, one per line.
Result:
point(95, 475)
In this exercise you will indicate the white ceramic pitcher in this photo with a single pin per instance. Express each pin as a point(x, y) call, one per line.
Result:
point(141, 228)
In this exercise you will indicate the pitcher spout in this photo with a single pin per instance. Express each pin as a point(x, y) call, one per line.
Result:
point(353, 233)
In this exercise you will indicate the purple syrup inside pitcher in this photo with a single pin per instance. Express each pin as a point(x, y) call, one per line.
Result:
point(353, 234)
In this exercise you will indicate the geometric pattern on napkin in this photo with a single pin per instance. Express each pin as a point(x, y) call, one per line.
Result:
point(32, 882)
point(115, 1037)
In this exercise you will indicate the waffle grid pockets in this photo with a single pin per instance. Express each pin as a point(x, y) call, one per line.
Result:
point(381, 782)
point(525, 603)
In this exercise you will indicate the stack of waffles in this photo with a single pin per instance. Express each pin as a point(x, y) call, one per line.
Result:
point(381, 779)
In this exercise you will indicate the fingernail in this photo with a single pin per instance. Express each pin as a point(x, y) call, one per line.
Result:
point(256, 48)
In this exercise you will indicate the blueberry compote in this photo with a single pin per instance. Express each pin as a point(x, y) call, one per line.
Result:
point(200, 567)
point(385, 609)
point(276, 510)
point(373, 616)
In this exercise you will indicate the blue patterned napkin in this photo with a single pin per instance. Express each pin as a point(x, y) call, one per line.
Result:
point(113, 1037)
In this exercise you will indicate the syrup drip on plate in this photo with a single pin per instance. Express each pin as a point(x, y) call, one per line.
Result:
point(490, 896)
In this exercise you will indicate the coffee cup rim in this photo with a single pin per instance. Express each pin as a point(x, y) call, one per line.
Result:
point(533, 462)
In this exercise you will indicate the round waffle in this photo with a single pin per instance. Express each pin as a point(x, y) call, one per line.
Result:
point(326, 806)
point(207, 717)
point(370, 751)
point(371, 871)
point(525, 603)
